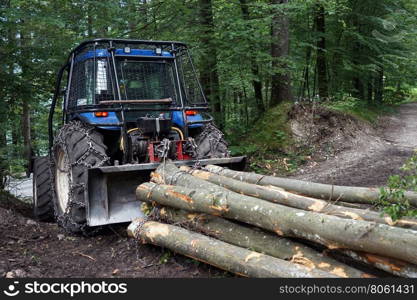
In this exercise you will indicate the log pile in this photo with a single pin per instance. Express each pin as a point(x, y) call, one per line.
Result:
point(264, 226)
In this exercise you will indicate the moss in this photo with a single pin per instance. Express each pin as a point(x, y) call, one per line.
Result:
point(269, 143)
point(272, 132)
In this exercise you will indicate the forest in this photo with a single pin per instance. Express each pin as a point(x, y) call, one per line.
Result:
point(309, 171)
point(251, 55)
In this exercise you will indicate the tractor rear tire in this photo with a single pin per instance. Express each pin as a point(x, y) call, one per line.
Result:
point(211, 143)
point(43, 209)
point(77, 147)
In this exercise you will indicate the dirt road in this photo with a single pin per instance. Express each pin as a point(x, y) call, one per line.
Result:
point(374, 158)
point(29, 248)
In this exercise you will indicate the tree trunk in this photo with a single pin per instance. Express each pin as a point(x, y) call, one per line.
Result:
point(320, 24)
point(311, 189)
point(333, 232)
point(280, 79)
point(305, 87)
point(25, 97)
point(258, 241)
point(280, 196)
point(3, 156)
point(208, 70)
point(357, 53)
point(217, 253)
point(27, 139)
point(370, 96)
point(379, 86)
point(256, 82)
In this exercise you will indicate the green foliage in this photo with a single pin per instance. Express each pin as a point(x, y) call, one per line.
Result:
point(359, 108)
point(392, 199)
point(409, 95)
point(371, 53)
point(165, 257)
point(271, 132)
point(243, 149)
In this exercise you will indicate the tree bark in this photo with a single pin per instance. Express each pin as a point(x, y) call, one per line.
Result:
point(258, 241)
point(333, 232)
point(357, 55)
point(3, 157)
point(256, 82)
point(27, 139)
point(297, 201)
point(311, 189)
point(370, 93)
point(208, 70)
point(280, 79)
point(25, 116)
point(217, 253)
point(379, 86)
point(320, 24)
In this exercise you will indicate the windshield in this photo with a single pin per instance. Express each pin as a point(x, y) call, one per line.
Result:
point(146, 80)
point(93, 79)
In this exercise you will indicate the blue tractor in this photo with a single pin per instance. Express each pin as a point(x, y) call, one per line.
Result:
point(121, 107)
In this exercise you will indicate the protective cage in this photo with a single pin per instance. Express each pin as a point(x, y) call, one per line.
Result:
point(106, 70)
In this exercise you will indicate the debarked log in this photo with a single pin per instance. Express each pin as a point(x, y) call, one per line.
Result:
point(259, 241)
point(283, 197)
point(217, 253)
point(311, 189)
point(390, 265)
point(331, 231)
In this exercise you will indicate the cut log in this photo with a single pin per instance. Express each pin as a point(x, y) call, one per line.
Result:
point(311, 189)
point(217, 253)
point(330, 231)
point(280, 196)
point(390, 265)
point(259, 241)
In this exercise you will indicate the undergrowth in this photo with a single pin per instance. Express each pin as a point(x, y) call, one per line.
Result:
point(359, 108)
point(269, 144)
point(392, 200)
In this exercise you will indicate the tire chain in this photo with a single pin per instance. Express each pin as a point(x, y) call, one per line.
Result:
point(162, 150)
point(59, 141)
point(214, 135)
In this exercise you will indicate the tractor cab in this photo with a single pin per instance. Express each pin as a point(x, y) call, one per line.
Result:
point(160, 79)
point(128, 105)
point(114, 84)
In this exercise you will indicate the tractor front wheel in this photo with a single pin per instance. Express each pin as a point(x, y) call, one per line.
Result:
point(211, 143)
point(77, 148)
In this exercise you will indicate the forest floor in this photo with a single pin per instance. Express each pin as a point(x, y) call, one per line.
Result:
point(32, 249)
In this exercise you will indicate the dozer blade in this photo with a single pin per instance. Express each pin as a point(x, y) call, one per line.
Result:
point(111, 189)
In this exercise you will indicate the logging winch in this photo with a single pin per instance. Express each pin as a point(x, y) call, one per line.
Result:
point(120, 108)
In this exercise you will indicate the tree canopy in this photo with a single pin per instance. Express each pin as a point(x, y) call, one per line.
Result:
point(250, 54)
